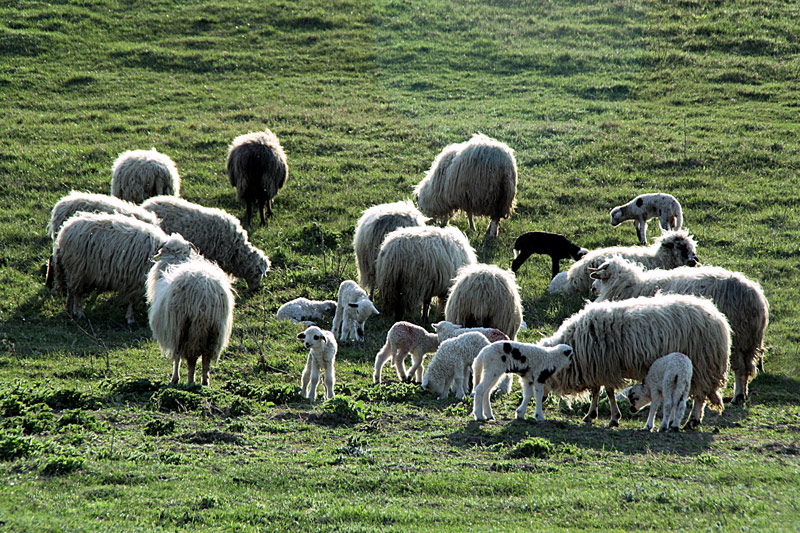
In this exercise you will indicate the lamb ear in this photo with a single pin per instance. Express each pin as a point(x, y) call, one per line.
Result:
point(352, 305)
point(301, 335)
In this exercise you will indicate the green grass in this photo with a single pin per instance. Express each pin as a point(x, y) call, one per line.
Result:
point(600, 101)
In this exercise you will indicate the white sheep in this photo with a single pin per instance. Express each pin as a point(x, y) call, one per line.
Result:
point(451, 366)
point(321, 357)
point(257, 168)
point(86, 202)
point(534, 364)
point(478, 176)
point(217, 235)
point(353, 308)
point(741, 300)
point(137, 175)
point(647, 206)
point(306, 311)
point(417, 264)
point(373, 226)
point(667, 382)
point(103, 252)
point(191, 308)
point(405, 338)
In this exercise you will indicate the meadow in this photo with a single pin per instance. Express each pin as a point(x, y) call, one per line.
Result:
point(601, 100)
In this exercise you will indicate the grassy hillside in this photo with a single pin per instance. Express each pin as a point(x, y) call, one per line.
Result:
point(600, 101)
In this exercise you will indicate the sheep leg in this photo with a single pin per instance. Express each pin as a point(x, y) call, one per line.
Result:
point(458, 385)
point(677, 416)
point(506, 383)
point(190, 366)
point(426, 306)
point(527, 394)
point(615, 413)
point(740, 388)
point(415, 372)
point(248, 214)
point(539, 396)
point(471, 221)
point(399, 363)
point(483, 405)
point(493, 229)
point(129, 314)
point(336, 326)
point(75, 306)
point(592, 414)
point(306, 376)
point(380, 360)
point(666, 420)
point(330, 380)
point(176, 369)
point(556, 266)
point(698, 408)
point(651, 416)
point(641, 231)
point(313, 381)
point(206, 362)
point(667, 222)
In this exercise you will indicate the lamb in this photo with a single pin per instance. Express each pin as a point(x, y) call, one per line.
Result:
point(671, 250)
point(373, 226)
point(418, 263)
point(647, 206)
point(452, 365)
point(614, 341)
point(306, 311)
point(257, 168)
point(478, 176)
point(667, 381)
point(555, 245)
point(93, 203)
point(137, 175)
point(353, 308)
point(191, 307)
point(485, 296)
point(103, 252)
point(218, 236)
point(404, 338)
point(534, 364)
point(321, 357)
point(741, 301)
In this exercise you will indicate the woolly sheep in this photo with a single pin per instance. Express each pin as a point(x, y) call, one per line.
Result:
point(373, 226)
point(741, 301)
point(404, 338)
point(614, 341)
point(191, 308)
point(416, 264)
point(217, 235)
point(321, 357)
point(257, 168)
point(452, 364)
point(534, 364)
point(86, 202)
point(478, 176)
point(671, 250)
point(668, 382)
point(555, 245)
point(353, 308)
point(103, 252)
point(137, 175)
point(647, 206)
point(485, 296)
point(305, 310)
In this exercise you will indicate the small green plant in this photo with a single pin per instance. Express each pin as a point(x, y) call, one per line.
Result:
point(344, 409)
point(159, 427)
point(393, 392)
point(531, 447)
point(62, 464)
point(15, 446)
point(78, 417)
point(176, 399)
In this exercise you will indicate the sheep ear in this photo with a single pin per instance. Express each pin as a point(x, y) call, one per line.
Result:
point(352, 305)
point(301, 335)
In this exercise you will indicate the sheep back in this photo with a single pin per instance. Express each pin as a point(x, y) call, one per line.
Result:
point(137, 175)
point(86, 202)
point(257, 166)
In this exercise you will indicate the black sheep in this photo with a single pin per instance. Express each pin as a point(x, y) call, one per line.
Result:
point(555, 245)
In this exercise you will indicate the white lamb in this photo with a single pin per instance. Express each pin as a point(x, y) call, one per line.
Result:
point(353, 308)
point(668, 382)
point(306, 311)
point(404, 338)
point(321, 357)
point(647, 206)
point(452, 365)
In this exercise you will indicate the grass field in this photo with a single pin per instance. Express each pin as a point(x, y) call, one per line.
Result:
point(600, 100)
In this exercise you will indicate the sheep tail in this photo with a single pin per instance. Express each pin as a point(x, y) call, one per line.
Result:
point(48, 282)
point(477, 370)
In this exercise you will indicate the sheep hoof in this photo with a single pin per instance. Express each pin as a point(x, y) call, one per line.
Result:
point(739, 399)
point(692, 424)
point(613, 423)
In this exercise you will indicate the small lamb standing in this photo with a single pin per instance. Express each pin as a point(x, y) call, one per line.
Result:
point(647, 206)
point(402, 339)
point(257, 168)
point(321, 357)
point(353, 308)
point(191, 307)
point(306, 311)
point(533, 363)
point(137, 175)
point(555, 245)
point(668, 382)
point(451, 366)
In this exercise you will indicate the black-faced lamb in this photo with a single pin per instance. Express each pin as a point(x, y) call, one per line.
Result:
point(306, 311)
point(647, 206)
point(191, 308)
point(217, 235)
point(137, 175)
point(405, 338)
point(451, 366)
point(321, 358)
point(741, 300)
point(667, 382)
point(353, 308)
point(555, 245)
point(257, 168)
point(478, 176)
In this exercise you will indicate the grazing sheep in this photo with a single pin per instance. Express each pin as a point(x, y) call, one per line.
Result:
point(647, 206)
point(478, 176)
point(614, 341)
point(534, 364)
point(321, 357)
point(353, 308)
point(137, 175)
point(671, 250)
point(257, 168)
point(668, 382)
point(191, 307)
point(103, 252)
point(555, 245)
point(93, 203)
point(215, 233)
point(452, 364)
point(305, 310)
point(417, 264)
point(485, 296)
point(404, 338)
point(741, 301)
point(373, 226)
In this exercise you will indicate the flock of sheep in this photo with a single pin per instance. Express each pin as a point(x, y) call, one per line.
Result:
point(658, 317)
